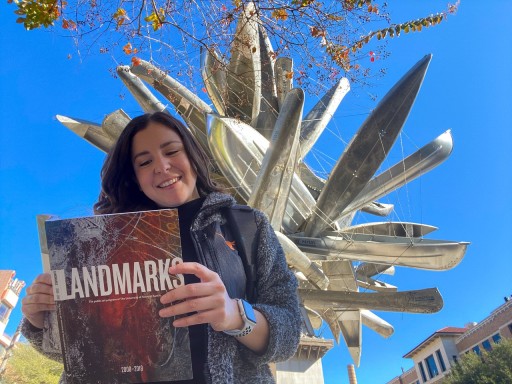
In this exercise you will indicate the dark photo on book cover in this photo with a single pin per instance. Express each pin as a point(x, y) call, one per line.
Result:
point(108, 274)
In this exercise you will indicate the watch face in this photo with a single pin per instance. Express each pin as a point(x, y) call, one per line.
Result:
point(249, 312)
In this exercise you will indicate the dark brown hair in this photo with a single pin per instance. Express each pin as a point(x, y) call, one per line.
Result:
point(119, 189)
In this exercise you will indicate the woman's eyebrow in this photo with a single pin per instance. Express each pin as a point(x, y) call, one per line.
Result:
point(169, 142)
point(140, 154)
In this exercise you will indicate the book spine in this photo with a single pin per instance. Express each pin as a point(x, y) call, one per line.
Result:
point(56, 289)
point(63, 336)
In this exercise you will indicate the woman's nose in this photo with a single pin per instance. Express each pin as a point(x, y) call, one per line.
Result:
point(162, 165)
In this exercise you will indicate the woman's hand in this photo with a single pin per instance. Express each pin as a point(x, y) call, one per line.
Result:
point(38, 300)
point(206, 302)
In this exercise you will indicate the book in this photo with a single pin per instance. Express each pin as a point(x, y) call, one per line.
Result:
point(51, 338)
point(108, 273)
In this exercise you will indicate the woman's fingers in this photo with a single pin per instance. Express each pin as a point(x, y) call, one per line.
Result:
point(192, 305)
point(193, 290)
point(39, 288)
point(38, 300)
point(35, 309)
point(43, 278)
point(189, 268)
point(204, 302)
point(219, 313)
point(207, 317)
point(210, 283)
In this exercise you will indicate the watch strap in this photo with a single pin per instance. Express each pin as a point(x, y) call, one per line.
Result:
point(248, 325)
point(240, 332)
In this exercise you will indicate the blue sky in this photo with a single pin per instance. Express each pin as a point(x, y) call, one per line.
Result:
point(44, 168)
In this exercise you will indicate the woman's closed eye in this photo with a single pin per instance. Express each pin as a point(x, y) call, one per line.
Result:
point(143, 163)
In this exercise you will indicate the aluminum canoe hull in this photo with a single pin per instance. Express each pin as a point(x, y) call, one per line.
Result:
point(406, 252)
point(367, 150)
point(427, 300)
point(271, 189)
point(238, 150)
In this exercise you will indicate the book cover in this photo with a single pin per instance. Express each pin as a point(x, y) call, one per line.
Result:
point(108, 273)
point(51, 338)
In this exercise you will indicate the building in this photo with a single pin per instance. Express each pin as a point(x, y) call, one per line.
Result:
point(434, 357)
point(10, 289)
point(306, 366)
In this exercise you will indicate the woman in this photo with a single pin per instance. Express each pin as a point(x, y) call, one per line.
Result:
point(156, 163)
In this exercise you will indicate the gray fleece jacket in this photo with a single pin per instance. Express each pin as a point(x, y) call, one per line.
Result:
point(228, 360)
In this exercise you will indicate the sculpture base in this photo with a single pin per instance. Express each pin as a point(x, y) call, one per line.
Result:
point(306, 366)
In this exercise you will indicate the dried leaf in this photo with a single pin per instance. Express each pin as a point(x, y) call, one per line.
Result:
point(280, 14)
point(119, 13)
point(316, 32)
point(68, 24)
point(127, 48)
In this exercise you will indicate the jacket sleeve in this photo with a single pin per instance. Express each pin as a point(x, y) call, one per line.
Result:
point(35, 337)
point(276, 298)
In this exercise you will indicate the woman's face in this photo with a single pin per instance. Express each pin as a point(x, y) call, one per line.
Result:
point(162, 167)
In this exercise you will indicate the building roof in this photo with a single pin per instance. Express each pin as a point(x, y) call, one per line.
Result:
point(446, 331)
point(452, 330)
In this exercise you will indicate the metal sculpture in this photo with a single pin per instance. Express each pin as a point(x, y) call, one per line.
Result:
point(257, 140)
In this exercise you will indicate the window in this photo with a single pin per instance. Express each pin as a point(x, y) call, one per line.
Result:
point(496, 338)
point(431, 366)
point(441, 360)
point(476, 349)
point(487, 345)
point(422, 371)
point(4, 312)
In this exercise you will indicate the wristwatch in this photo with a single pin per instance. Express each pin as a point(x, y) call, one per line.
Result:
point(248, 316)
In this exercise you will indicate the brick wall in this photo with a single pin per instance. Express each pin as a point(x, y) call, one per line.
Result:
point(408, 377)
point(497, 322)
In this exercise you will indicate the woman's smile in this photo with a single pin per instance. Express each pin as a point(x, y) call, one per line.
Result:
point(170, 182)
